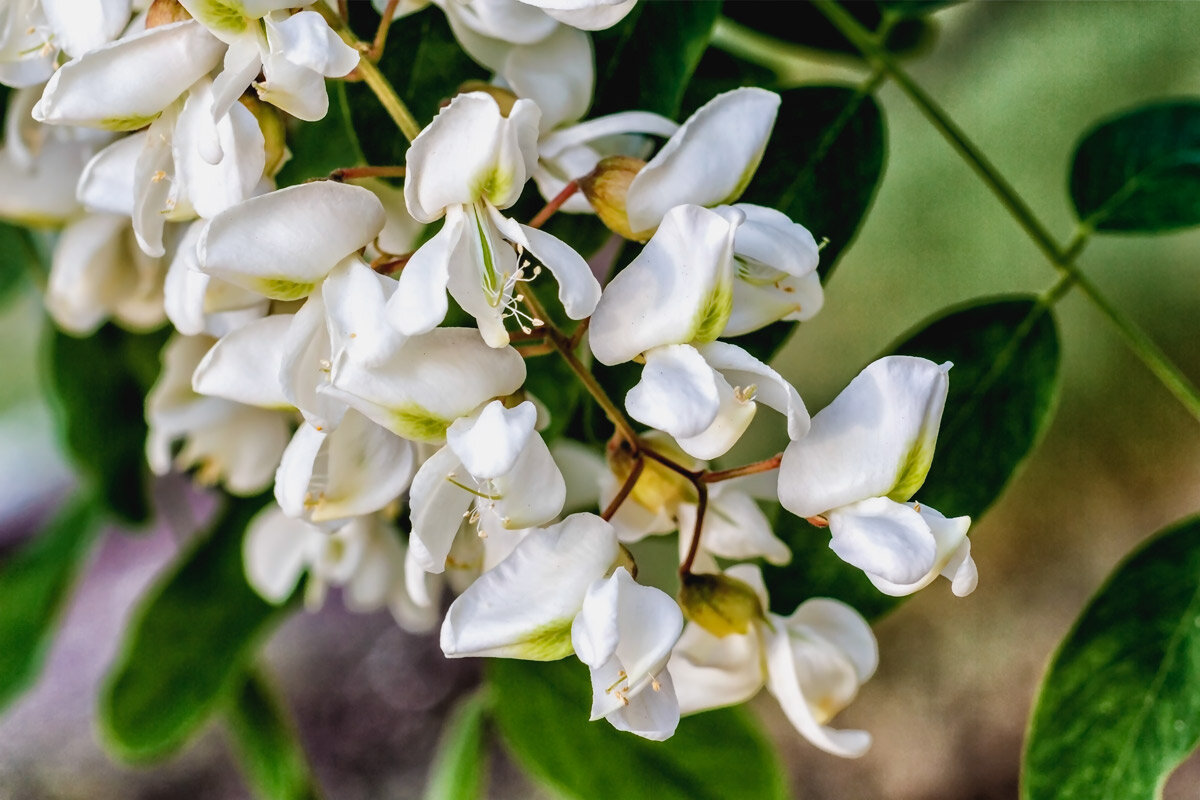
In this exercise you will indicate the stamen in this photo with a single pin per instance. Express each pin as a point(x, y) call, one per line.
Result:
point(745, 394)
point(475, 492)
point(621, 678)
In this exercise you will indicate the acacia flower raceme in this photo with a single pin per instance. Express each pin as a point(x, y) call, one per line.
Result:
point(866, 455)
point(812, 662)
point(468, 164)
point(667, 307)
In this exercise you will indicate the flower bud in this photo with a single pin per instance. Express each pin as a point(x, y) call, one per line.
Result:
point(606, 186)
point(718, 603)
point(164, 12)
point(657, 488)
point(270, 122)
point(503, 97)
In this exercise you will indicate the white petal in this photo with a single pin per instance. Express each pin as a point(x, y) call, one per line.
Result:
point(431, 381)
point(578, 289)
point(525, 606)
point(243, 365)
point(438, 503)
point(107, 181)
point(489, 442)
point(678, 289)
point(80, 27)
point(677, 394)
point(480, 271)
point(305, 365)
point(126, 84)
point(506, 20)
point(842, 626)
point(215, 186)
point(241, 65)
point(581, 468)
point(733, 417)
point(744, 370)
point(471, 152)
point(709, 161)
point(380, 566)
point(156, 193)
point(356, 298)
point(295, 473)
point(875, 439)
point(953, 558)
point(557, 73)
point(652, 715)
point(298, 90)
point(88, 272)
point(883, 538)
point(307, 40)
point(274, 551)
point(534, 491)
point(419, 303)
point(283, 243)
point(711, 672)
point(736, 528)
point(588, 15)
point(622, 122)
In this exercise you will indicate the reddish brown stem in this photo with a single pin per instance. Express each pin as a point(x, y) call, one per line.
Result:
point(539, 349)
point(766, 465)
point(347, 173)
point(694, 547)
point(375, 51)
point(638, 465)
point(554, 205)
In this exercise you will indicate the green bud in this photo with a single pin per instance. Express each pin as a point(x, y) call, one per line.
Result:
point(606, 186)
point(719, 604)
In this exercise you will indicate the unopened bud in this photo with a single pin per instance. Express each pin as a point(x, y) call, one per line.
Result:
point(658, 488)
point(164, 12)
point(625, 559)
point(606, 187)
point(719, 604)
point(270, 122)
point(503, 97)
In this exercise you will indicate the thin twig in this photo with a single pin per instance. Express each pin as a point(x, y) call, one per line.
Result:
point(694, 546)
point(630, 480)
point(554, 205)
point(375, 52)
point(349, 173)
point(766, 465)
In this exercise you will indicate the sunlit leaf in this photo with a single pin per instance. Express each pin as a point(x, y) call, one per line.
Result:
point(1002, 388)
point(542, 712)
point(1118, 708)
point(190, 642)
point(35, 582)
point(1140, 171)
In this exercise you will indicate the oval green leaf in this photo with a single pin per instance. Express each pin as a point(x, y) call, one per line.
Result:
point(1002, 388)
point(266, 743)
point(189, 645)
point(1140, 172)
point(542, 713)
point(1118, 708)
point(35, 582)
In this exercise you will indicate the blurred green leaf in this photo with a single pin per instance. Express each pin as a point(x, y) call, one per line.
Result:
point(35, 582)
point(645, 61)
point(320, 147)
point(266, 743)
point(1002, 388)
point(719, 71)
point(822, 168)
point(460, 767)
point(1118, 708)
point(800, 23)
point(1139, 172)
point(425, 65)
point(98, 386)
point(18, 259)
point(910, 8)
point(542, 712)
point(190, 642)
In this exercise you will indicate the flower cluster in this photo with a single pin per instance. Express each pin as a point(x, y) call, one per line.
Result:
point(313, 351)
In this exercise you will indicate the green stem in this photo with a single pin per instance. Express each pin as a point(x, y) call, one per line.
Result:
point(1062, 259)
point(388, 98)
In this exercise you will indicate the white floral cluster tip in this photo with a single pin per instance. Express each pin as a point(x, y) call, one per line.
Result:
point(407, 455)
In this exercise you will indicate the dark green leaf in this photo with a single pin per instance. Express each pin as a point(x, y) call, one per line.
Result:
point(1002, 389)
point(911, 8)
point(460, 767)
point(189, 645)
point(266, 743)
point(1118, 708)
point(1140, 172)
point(425, 66)
point(35, 581)
point(822, 167)
point(542, 712)
point(320, 147)
point(803, 24)
point(645, 61)
point(18, 258)
point(719, 72)
point(99, 387)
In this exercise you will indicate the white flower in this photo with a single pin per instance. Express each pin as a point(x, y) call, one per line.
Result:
point(668, 306)
point(775, 266)
point(865, 456)
point(32, 32)
point(812, 662)
point(495, 469)
point(467, 165)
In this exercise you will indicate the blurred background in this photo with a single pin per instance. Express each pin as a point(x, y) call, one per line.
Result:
point(957, 678)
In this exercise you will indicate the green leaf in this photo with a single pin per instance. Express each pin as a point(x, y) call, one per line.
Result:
point(1002, 389)
point(189, 645)
point(425, 66)
point(320, 147)
point(460, 766)
point(35, 582)
point(266, 743)
point(822, 168)
point(98, 386)
point(542, 713)
point(803, 24)
point(645, 61)
point(719, 71)
point(18, 259)
point(1118, 708)
point(1139, 172)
